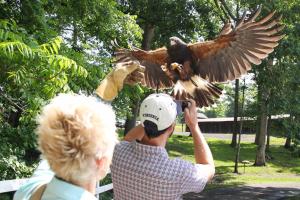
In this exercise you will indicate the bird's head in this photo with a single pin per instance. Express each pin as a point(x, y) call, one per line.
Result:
point(175, 41)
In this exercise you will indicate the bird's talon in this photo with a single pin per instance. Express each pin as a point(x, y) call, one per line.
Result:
point(164, 68)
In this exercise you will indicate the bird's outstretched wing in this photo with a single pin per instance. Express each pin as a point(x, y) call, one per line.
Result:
point(155, 77)
point(232, 53)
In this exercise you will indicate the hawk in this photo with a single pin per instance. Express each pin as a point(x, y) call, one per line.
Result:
point(192, 69)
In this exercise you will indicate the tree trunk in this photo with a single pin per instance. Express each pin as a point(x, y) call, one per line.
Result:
point(288, 141)
point(131, 120)
point(236, 111)
point(260, 153)
point(14, 118)
point(146, 44)
point(268, 134)
point(258, 120)
point(147, 36)
point(257, 135)
point(75, 36)
point(237, 156)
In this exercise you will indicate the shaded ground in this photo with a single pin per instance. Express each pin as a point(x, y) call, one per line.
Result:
point(278, 191)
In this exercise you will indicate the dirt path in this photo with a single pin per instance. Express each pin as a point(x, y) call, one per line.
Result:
point(244, 138)
point(227, 136)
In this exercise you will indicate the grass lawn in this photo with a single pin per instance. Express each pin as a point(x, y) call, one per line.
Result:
point(281, 168)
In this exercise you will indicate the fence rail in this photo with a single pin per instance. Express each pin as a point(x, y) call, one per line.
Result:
point(11, 185)
point(14, 185)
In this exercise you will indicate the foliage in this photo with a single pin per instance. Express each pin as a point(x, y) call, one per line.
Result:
point(12, 166)
point(285, 85)
point(189, 20)
point(38, 62)
point(31, 74)
point(49, 47)
point(89, 27)
point(15, 141)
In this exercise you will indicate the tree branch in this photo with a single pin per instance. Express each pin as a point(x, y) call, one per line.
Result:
point(228, 11)
point(11, 102)
point(237, 9)
point(220, 12)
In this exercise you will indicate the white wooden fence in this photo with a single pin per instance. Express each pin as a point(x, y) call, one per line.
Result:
point(14, 185)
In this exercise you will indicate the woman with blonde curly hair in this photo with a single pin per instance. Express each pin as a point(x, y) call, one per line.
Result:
point(76, 135)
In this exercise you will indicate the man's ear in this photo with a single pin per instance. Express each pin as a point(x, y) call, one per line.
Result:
point(171, 128)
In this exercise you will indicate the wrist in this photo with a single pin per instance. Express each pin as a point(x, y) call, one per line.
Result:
point(193, 127)
point(107, 89)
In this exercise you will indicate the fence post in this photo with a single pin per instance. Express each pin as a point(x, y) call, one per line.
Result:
point(97, 186)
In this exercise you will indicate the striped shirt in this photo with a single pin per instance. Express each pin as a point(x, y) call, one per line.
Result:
point(146, 172)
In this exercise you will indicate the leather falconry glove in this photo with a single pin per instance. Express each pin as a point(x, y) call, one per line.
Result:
point(124, 73)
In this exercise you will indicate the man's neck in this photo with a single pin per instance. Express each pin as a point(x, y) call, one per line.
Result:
point(160, 141)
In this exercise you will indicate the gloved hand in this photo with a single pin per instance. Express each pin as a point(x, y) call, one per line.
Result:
point(124, 73)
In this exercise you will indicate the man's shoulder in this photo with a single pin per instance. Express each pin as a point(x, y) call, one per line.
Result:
point(123, 147)
point(123, 144)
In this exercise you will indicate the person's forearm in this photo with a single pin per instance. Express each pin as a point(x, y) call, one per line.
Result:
point(137, 133)
point(202, 151)
point(107, 89)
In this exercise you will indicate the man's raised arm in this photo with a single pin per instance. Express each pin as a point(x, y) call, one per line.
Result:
point(202, 151)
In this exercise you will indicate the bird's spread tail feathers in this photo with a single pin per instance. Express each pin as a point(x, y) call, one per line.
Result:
point(203, 92)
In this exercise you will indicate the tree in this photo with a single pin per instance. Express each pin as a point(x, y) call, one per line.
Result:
point(26, 64)
point(270, 90)
point(261, 149)
point(95, 24)
point(238, 148)
point(31, 74)
point(282, 86)
point(236, 113)
point(36, 64)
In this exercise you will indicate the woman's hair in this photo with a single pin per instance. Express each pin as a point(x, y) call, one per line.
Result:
point(74, 130)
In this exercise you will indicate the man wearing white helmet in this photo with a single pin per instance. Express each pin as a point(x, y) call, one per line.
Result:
point(141, 168)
